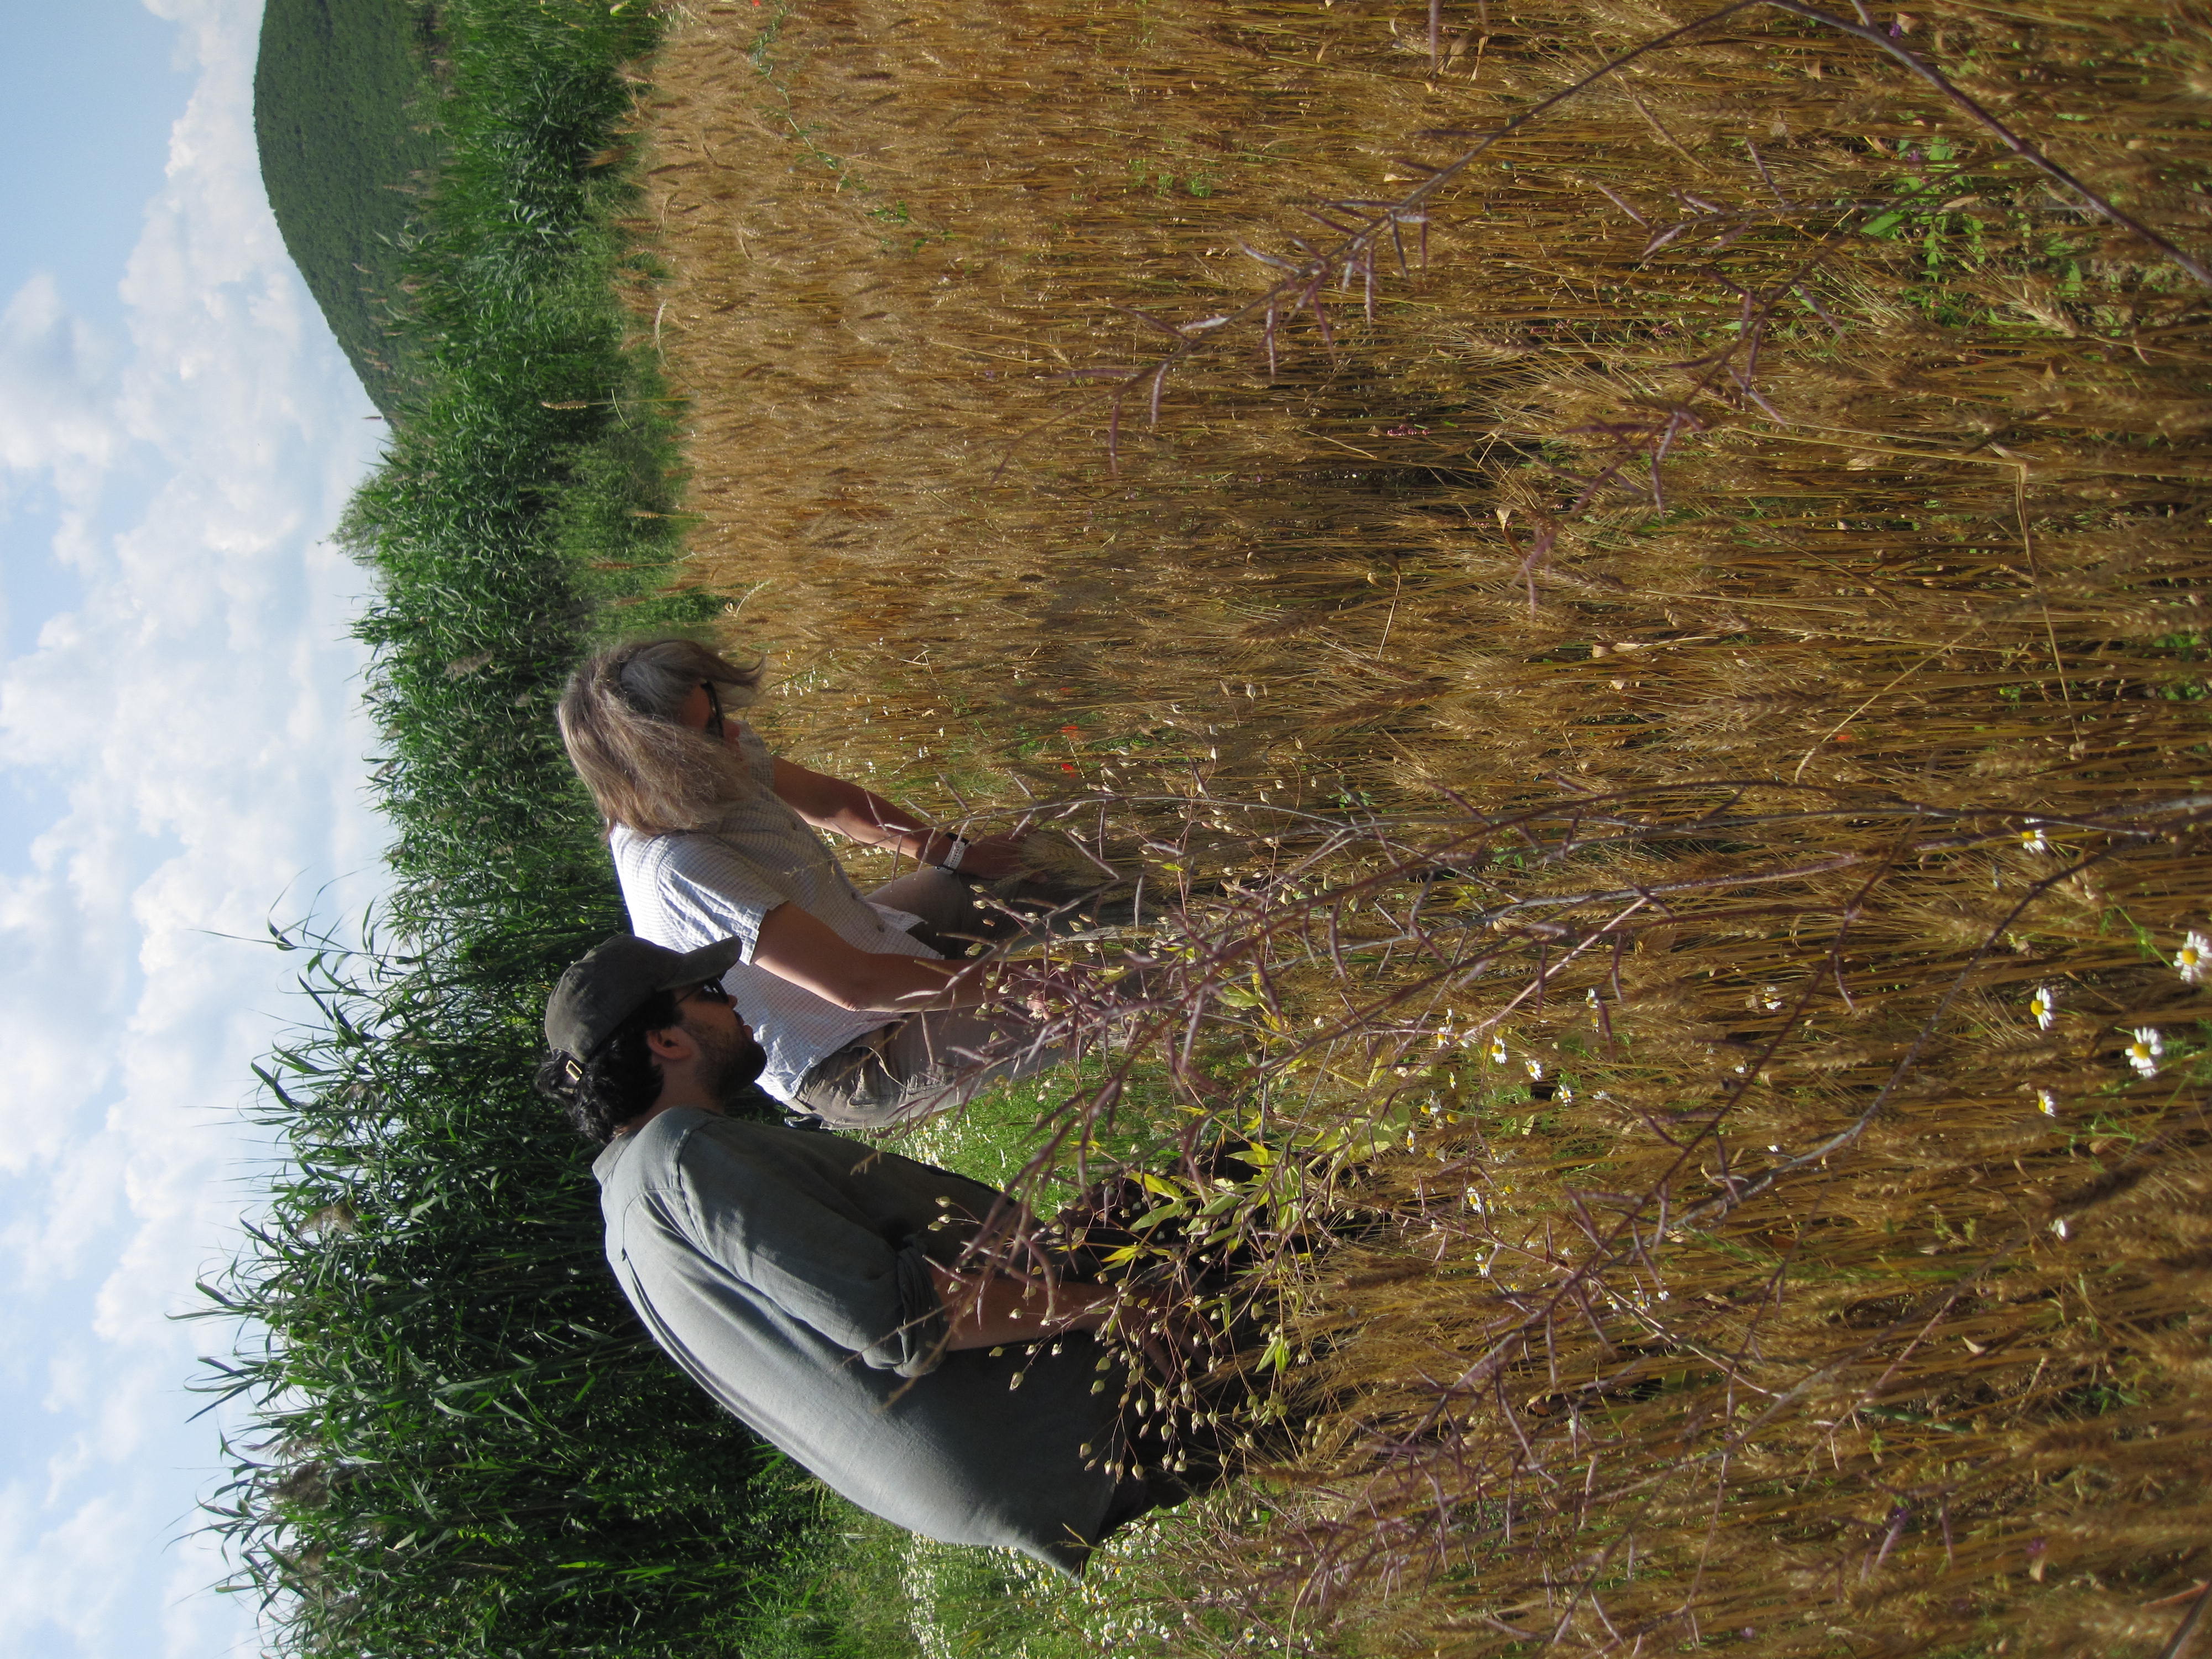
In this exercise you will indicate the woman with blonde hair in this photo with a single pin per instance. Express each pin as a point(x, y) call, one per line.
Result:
point(864, 1019)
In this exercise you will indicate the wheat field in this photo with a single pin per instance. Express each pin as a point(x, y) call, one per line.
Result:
point(1650, 641)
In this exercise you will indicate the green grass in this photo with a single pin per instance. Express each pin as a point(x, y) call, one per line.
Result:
point(861, 1588)
point(343, 104)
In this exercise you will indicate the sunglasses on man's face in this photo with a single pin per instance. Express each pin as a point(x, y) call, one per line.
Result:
point(709, 990)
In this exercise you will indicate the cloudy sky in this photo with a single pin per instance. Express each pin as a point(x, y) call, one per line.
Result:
point(181, 759)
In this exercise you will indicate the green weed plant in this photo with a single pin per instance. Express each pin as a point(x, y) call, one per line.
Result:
point(456, 1440)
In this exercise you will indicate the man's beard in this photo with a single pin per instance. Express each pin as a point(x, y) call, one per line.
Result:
point(730, 1066)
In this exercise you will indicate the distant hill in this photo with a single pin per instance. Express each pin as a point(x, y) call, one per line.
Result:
point(340, 95)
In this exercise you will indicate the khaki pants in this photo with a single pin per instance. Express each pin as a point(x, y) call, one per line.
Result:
point(928, 1062)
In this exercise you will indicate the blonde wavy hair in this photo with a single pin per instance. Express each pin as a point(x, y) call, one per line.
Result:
point(645, 770)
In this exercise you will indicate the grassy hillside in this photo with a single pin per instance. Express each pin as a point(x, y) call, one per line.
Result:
point(340, 100)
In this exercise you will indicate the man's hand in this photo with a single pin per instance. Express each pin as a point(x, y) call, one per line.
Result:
point(1169, 1333)
point(985, 1309)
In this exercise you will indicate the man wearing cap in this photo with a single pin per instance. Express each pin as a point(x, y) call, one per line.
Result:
point(814, 1287)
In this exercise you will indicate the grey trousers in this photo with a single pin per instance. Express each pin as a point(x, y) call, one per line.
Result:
point(951, 920)
point(928, 1062)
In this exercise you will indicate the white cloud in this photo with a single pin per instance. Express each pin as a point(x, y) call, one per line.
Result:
point(194, 711)
point(55, 391)
point(54, 1580)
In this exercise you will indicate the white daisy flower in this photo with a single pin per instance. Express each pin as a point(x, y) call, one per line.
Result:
point(1498, 1051)
point(1565, 1095)
point(2043, 1004)
point(2145, 1052)
point(2033, 839)
point(2046, 1103)
point(2193, 958)
point(1535, 1070)
point(1769, 998)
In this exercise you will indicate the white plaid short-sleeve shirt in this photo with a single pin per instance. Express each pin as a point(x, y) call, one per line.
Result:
point(695, 887)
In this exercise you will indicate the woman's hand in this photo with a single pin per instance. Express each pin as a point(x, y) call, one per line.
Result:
point(992, 858)
point(1040, 990)
point(858, 814)
point(796, 946)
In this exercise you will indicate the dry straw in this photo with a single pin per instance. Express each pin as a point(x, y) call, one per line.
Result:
point(1720, 627)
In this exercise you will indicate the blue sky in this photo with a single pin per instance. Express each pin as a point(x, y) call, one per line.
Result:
point(181, 758)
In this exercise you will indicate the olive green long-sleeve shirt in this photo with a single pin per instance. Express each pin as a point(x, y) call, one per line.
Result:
point(787, 1271)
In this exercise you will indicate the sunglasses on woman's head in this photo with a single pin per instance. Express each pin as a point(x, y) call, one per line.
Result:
point(713, 727)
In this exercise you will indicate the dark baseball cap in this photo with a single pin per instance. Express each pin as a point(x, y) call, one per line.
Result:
point(612, 981)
